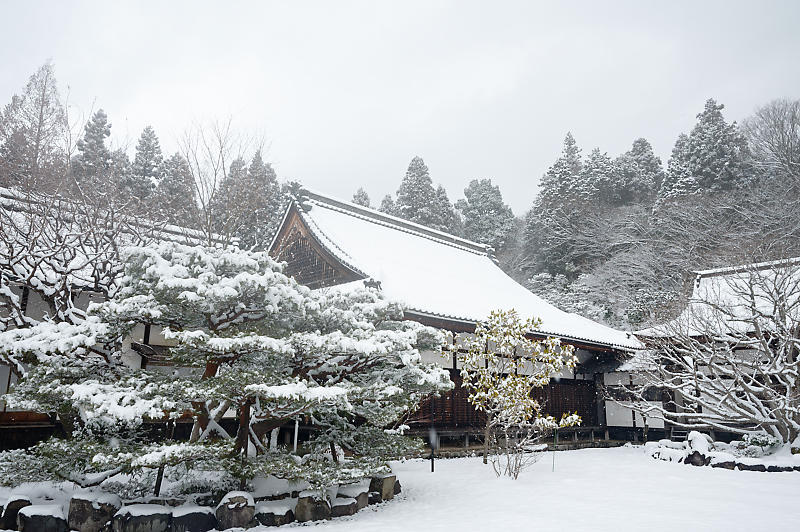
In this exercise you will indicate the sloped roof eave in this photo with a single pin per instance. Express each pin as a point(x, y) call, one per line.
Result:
point(330, 245)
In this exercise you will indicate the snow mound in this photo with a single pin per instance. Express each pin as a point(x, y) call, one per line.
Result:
point(43, 509)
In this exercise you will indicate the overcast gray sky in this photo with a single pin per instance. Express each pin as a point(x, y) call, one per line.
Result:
point(346, 93)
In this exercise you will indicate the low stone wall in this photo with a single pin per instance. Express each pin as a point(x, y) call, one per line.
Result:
point(101, 512)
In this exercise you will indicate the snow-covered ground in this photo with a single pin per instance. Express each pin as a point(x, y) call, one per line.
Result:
point(591, 489)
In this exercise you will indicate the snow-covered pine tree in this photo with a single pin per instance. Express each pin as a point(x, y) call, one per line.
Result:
point(447, 218)
point(147, 170)
point(254, 341)
point(631, 184)
point(563, 176)
point(388, 205)
point(361, 197)
point(550, 220)
point(679, 180)
point(33, 130)
point(650, 167)
point(713, 157)
point(249, 203)
point(416, 198)
point(718, 153)
point(487, 219)
point(174, 198)
point(595, 182)
point(90, 167)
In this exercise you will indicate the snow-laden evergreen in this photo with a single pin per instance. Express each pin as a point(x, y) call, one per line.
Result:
point(255, 341)
point(94, 158)
point(487, 219)
point(361, 197)
point(174, 198)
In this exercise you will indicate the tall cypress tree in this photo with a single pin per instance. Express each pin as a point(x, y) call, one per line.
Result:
point(446, 218)
point(249, 203)
point(416, 197)
point(487, 219)
point(361, 197)
point(563, 177)
point(717, 151)
point(91, 166)
point(174, 199)
point(388, 206)
point(650, 166)
point(679, 180)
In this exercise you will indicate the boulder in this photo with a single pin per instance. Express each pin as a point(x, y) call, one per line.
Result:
point(696, 458)
point(13, 505)
point(374, 497)
point(142, 518)
point(724, 465)
point(359, 492)
point(779, 469)
point(397, 487)
point(236, 509)
point(89, 512)
point(311, 508)
point(341, 506)
point(276, 513)
point(383, 485)
point(751, 467)
point(42, 518)
point(192, 518)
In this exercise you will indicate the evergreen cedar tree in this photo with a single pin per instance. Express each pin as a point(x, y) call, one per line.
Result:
point(417, 201)
point(249, 203)
point(361, 198)
point(487, 219)
point(257, 342)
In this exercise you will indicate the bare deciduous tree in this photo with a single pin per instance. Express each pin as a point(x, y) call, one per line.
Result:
point(773, 133)
point(209, 149)
point(731, 361)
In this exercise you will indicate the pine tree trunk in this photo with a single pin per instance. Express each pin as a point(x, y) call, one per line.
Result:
point(160, 474)
point(243, 436)
point(333, 453)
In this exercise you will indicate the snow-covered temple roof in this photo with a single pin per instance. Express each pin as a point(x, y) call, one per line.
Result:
point(436, 274)
point(723, 299)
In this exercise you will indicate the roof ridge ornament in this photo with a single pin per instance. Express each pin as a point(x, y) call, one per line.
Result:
point(372, 283)
point(299, 195)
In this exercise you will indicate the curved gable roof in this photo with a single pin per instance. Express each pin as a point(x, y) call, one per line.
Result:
point(436, 273)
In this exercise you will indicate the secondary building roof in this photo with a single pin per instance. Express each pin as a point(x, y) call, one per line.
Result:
point(725, 300)
point(434, 274)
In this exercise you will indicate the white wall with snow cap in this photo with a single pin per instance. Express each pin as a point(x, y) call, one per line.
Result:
point(622, 414)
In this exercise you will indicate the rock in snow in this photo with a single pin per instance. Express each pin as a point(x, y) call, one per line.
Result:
point(42, 518)
point(383, 485)
point(192, 518)
point(142, 518)
point(312, 508)
point(89, 512)
point(237, 508)
point(276, 513)
point(12, 507)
